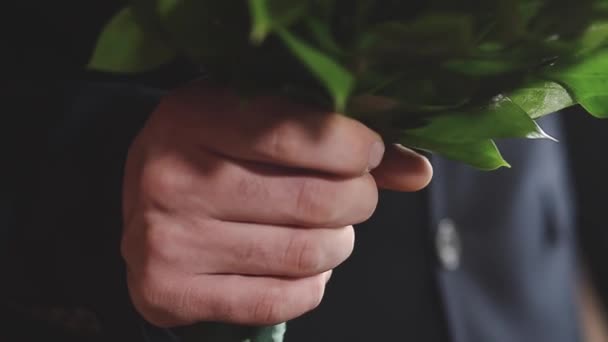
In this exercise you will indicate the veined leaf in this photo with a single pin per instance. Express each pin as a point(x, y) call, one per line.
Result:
point(482, 154)
point(587, 80)
point(541, 98)
point(336, 78)
point(124, 47)
point(502, 118)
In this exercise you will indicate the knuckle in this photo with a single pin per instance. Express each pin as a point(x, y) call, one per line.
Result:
point(252, 188)
point(268, 307)
point(251, 250)
point(153, 243)
point(279, 144)
point(166, 303)
point(161, 177)
point(303, 256)
point(152, 299)
point(312, 201)
point(220, 309)
point(158, 243)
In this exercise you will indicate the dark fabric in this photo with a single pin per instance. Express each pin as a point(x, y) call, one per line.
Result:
point(589, 137)
point(517, 279)
point(66, 225)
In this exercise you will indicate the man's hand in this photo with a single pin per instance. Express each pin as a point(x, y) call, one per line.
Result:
point(237, 212)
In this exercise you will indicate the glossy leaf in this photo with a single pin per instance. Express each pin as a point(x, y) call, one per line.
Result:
point(124, 47)
point(483, 154)
point(501, 118)
point(541, 98)
point(587, 80)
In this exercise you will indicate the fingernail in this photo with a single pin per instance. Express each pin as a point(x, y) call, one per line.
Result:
point(407, 152)
point(375, 155)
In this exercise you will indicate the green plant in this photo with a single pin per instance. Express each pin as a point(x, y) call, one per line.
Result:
point(444, 76)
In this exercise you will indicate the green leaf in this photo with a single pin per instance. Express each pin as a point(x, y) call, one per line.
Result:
point(124, 47)
point(587, 79)
point(269, 15)
point(483, 154)
point(501, 118)
point(149, 14)
point(541, 98)
point(594, 37)
point(336, 79)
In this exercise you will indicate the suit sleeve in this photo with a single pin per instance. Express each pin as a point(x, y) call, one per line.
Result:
point(63, 222)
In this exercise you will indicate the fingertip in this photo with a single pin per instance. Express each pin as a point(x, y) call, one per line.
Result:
point(376, 154)
point(426, 173)
point(403, 169)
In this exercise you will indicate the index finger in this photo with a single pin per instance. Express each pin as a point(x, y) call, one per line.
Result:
point(272, 130)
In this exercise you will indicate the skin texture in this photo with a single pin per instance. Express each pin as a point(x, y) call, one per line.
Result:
point(238, 212)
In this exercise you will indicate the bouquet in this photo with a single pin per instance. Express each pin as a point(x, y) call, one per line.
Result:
point(445, 76)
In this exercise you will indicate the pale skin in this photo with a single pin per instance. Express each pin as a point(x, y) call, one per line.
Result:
point(239, 213)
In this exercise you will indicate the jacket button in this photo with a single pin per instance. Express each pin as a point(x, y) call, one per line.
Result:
point(448, 245)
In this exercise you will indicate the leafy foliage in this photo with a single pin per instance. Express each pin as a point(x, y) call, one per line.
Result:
point(125, 47)
point(457, 74)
